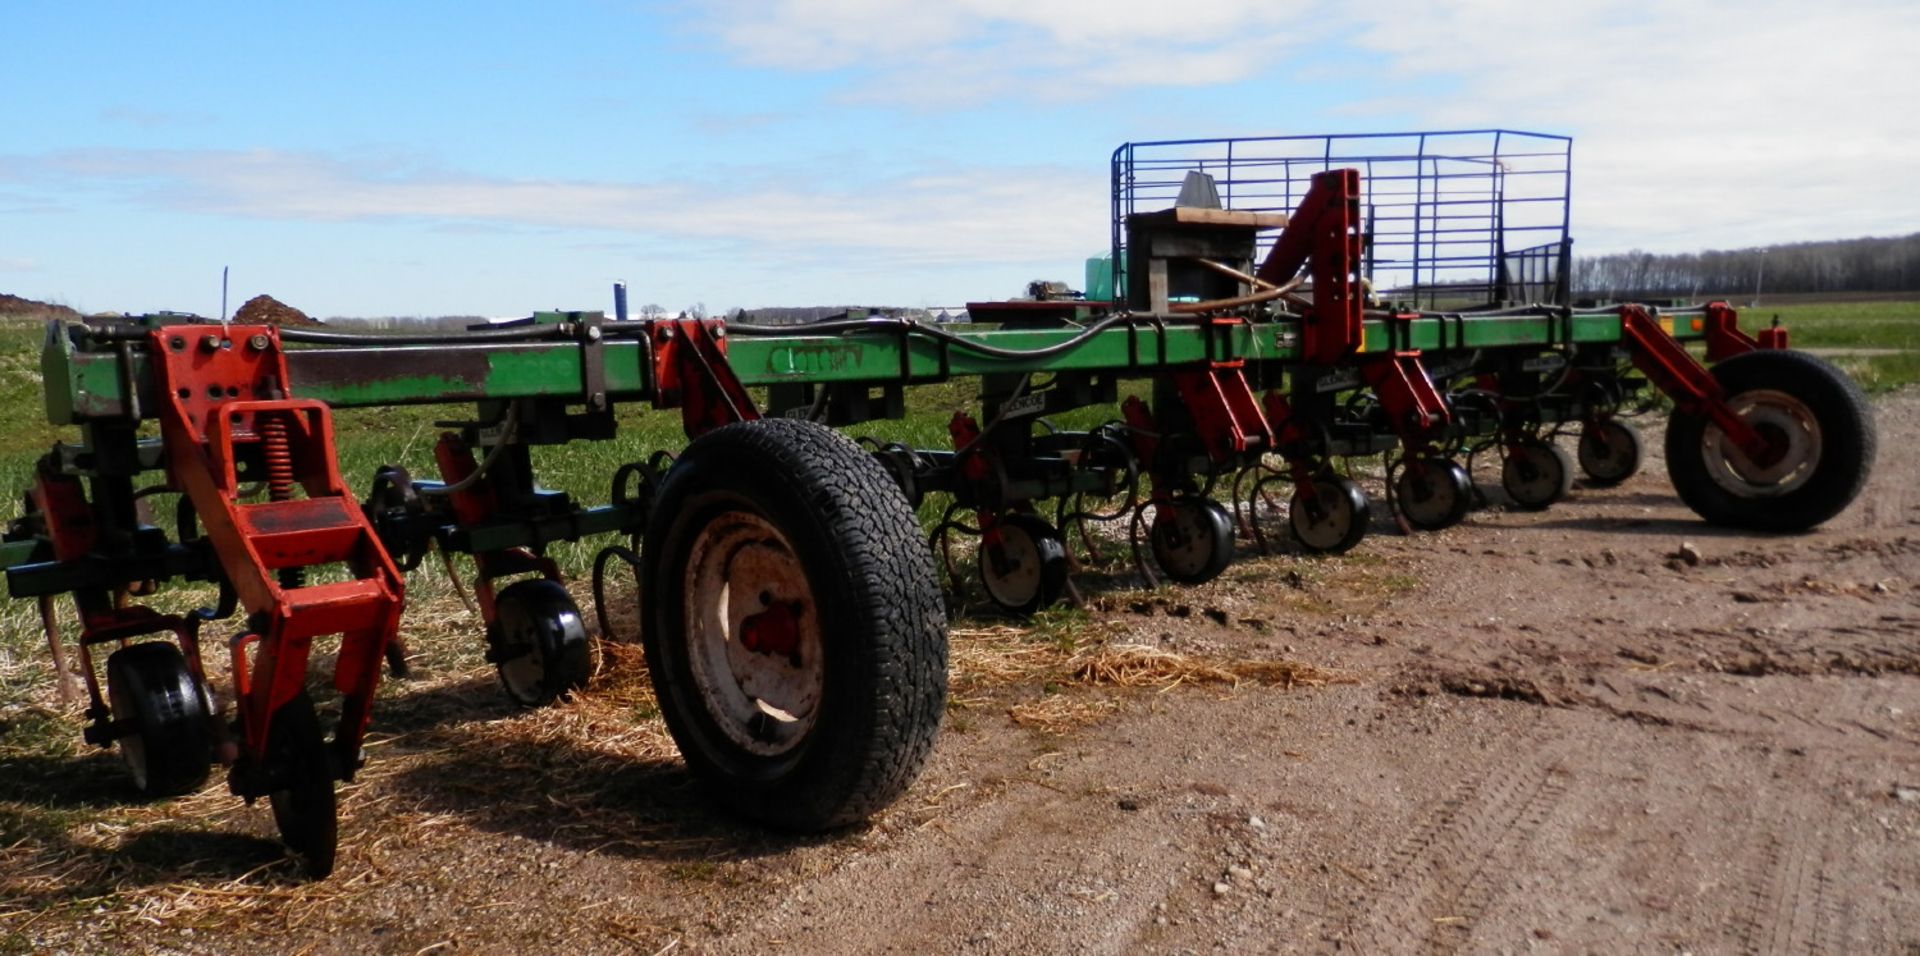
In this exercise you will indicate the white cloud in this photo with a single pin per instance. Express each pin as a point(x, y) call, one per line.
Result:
point(1698, 122)
point(938, 217)
point(18, 264)
point(968, 51)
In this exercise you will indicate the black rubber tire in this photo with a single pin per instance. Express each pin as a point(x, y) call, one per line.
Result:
point(538, 642)
point(300, 768)
point(1334, 519)
point(881, 618)
point(1537, 475)
point(1610, 451)
point(1844, 459)
point(1192, 540)
point(1036, 542)
point(169, 747)
point(1439, 501)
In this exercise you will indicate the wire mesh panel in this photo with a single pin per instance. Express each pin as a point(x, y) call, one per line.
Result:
point(1454, 219)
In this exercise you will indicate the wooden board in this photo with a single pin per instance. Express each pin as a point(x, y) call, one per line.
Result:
point(1189, 215)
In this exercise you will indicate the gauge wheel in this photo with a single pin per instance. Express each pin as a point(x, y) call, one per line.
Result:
point(538, 642)
point(1192, 539)
point(794, 627)
point(1329, 515)
point(168, 743)
point(1023, 564)
point(300, 768)
point(1537, 474)
point(1610, 452)
point(1433, 493)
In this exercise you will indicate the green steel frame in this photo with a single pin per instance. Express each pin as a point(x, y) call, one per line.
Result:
point(92, 384)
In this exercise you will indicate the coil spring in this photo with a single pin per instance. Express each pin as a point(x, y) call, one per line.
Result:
point(279, 457)
point(278, 453)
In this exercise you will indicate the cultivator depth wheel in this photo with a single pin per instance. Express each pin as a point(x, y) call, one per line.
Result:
point(1433, 493)
point(1192, 539)
point(538, 642)
point(1023, 564)
point(1609, 451)
point(168, 740)
point(1329, 515)
point(1819, 436)
point(797, 635)
point(301, 774)
point(1537, 474)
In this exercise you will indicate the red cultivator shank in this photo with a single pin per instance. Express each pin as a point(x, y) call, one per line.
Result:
point(225, 406)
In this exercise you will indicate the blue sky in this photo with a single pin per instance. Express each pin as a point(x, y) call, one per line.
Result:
point(493, 158)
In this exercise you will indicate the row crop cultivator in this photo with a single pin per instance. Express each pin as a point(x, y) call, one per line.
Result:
point(1285, 304)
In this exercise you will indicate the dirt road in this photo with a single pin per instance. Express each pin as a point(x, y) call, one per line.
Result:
point(1602, 728)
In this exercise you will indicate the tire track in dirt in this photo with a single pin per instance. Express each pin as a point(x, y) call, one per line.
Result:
point(1703, 679)
point(1441, 876)
point(1886, 502)
point(1478, 892)
point(1792, 904)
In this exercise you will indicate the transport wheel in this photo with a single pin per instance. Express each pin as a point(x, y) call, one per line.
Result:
point(1192, 539)
point(300, 766)
point(1610, 452)
point(1329, 515)
point(1433, 493)
point(794, 626)
point(1026, 569)
point(538, 642)
point(1537, 474)
point(1820, 437)
point(168, 747)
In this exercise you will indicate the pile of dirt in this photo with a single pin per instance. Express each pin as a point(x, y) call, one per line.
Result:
point(13, 306)
point(267, 310)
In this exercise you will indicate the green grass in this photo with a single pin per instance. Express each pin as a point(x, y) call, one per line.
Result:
point(1877, 343)
point(1842, 325)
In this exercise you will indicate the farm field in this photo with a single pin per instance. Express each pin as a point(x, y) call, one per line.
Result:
point(1604, 727)
point(1878, 343)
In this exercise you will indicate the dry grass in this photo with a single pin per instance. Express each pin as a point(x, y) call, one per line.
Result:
point(1069, 657)
point(1067, 706)
point(1060, 714)
point(984, 657)
point(1133, 665)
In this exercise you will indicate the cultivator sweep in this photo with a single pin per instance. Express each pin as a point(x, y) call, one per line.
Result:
point(1285, 305)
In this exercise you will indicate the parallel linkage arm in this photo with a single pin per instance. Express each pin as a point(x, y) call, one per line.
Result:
point(1691, 386)
point(224, 399)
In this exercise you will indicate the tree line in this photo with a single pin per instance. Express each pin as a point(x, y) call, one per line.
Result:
point(1872, 264)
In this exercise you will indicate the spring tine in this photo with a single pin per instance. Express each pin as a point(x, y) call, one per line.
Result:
point(1086, 538)
point(1393, 465)
point(942, 539)
point(1240, 528)
point(1060, 518)
point(1133, 540)
point(50, 623)
point(1259, 533)
point(600, 562)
